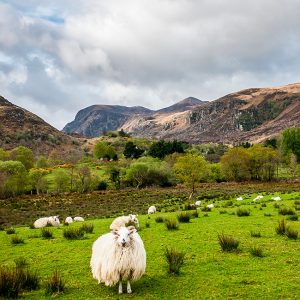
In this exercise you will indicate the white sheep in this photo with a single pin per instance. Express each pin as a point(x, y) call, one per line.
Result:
point(276, 198)
point(258, 198)
point(118, 255)
point(210, 206)
point(78, 219)
point(198, 203)
point(151, 210)
point(124, 221)
point(239, 199)
point(68, 220)
point(46, 221)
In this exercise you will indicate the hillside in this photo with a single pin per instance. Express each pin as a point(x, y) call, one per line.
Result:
point(21, 127)
point(253, 115)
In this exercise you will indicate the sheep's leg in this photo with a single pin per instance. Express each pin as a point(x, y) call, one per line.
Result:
point(129, 291)
point(120, 287)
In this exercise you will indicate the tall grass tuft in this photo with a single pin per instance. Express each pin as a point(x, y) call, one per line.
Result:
point(256, 251)
point(175, 260)
point(10, 231)
point(291, 233)
point(184, 217)
point(256, 234)
point(243, 212)
point(17, 240)
point(55, 284)
point(87, 228)
point(293, 217)
point(281, 227)
point(73, 233)
point(159, 219)
point(195, 214)
point(20, 262)
point(171, 224)
point(227, 242)
point(46, 233)
point(286, 211)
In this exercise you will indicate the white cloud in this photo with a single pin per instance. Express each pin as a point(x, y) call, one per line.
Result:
point(57, 57)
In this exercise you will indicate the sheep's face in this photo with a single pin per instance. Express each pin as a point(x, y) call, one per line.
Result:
point(124, 235)
point(54, 220)
point(134, 220)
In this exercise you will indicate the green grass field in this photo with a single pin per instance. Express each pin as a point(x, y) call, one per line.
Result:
point(208, 273)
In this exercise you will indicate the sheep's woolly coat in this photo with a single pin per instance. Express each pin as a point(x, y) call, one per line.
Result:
point(43, 222)
point(112, 263)
point(124, 221)
point(78, 219)
point(151, 210)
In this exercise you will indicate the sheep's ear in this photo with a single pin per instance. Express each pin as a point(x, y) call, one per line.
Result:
point(131, 229)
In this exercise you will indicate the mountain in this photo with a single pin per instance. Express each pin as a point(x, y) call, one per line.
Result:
point(21, 127)
point(94, 120)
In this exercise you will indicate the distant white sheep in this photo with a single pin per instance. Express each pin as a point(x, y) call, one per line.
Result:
point(151, 210)
point(46, 221)
point(239, 199)
point(198, 203)
point(68, 220)
point(276, 198)
point(258, 198)
point(118, 255)
point(124, 221)
point(78, 219)
point(210, 206)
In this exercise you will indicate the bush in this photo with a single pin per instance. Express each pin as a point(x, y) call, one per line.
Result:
point(171, 224)
point(87, 228)
point(293, 217)
point(46, 233)
point(227, 242)
point(174, 259)
point(10, 231)
point(17, 240)
point(102, 186)
point(286, 211)
point(55, 284)
point(159, 219)
point(281, 227)
point(291, 233)
point(73, 233)
point(147, 224)
point(243, 212)
point(256, 251)
point(255, 234)
point(184, 217)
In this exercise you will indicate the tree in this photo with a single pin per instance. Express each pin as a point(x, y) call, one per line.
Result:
point(38, 179)
point(293, 164)
point(162, 148)
point(103, 150)
point(191, 169)
point(114, 173)
point(132, 151)
point(41, 162)
point(291, 142)
point(24, 155)
point(61, 180)
point(4, 155)
point(235, 164)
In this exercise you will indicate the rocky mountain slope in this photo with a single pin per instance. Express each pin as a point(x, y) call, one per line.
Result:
point(253, 115)
point(21, 127)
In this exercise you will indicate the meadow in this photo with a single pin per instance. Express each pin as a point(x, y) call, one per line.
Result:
point(207, 272)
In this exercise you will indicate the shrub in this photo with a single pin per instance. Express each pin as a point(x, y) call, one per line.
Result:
point(17, 240)
point(102, 186)
point(184, 217)
point(256, 251)
point(73, 233)
point(10, 231)
point(227, 242)
point(281, 227)
point(293, 217)
point(55, 284)
point(174, 259)
point(243, 212)
point(291, 233)
point(46, 233)
point(147, 224)
point(286, 211)
point(172, 224)
point(159, 219)
point(87, 228)
point(255, 234)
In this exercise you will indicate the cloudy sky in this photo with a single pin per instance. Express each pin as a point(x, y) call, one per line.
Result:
point(57, 57)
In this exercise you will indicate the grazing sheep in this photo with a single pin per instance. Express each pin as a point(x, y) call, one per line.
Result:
point(151, 210)
point(258, 198)
point(124, 221)
point(43, 222)
point(78, 219)
point(210, 206)
point(239, 198)
point(276, 198)
point(68, 220)
point(198, 203)
point(118, 255)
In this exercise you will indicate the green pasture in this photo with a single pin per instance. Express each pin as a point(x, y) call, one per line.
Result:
point(208, 273)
